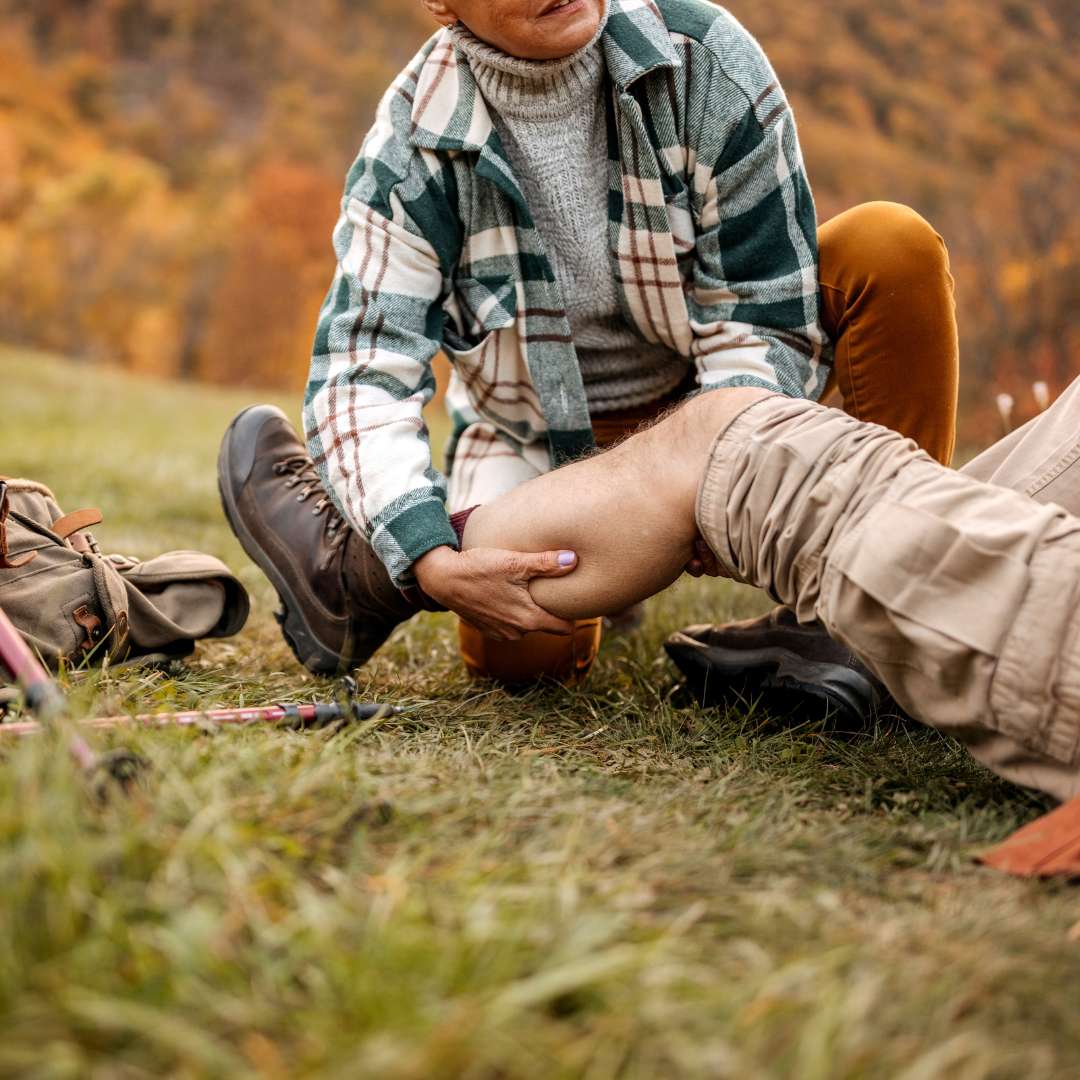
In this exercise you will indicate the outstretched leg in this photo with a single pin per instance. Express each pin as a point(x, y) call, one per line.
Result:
point(964, 598)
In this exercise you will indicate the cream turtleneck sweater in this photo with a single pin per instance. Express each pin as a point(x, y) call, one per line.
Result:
point(552, 120)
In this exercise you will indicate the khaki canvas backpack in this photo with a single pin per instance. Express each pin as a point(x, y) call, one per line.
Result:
point(75, 605)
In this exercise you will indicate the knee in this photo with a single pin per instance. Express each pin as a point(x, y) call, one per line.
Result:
point(701, 419)
point(886, 242)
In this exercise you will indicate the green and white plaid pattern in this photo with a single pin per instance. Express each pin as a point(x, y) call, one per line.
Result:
point(711, 226)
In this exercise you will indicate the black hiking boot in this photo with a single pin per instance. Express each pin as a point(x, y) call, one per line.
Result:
point(786, 664)
point(338, 604)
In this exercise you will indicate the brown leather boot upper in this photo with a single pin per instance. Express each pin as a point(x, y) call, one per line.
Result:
point(338, 602)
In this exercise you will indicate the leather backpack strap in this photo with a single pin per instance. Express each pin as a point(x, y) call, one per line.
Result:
point(75, 522)
point(70, 525)
point(113, 599)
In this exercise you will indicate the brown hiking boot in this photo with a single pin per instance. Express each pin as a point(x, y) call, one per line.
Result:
point(788, 664)
point(338, 604)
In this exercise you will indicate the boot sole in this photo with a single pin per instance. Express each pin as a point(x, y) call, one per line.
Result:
point(312, 653)
point(717, 674)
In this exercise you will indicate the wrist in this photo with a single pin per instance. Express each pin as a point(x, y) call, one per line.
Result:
point(432, 568)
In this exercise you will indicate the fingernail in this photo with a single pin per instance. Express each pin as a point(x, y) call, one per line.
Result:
point(567, 558)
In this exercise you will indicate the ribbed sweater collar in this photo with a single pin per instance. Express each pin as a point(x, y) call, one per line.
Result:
point(533, 89)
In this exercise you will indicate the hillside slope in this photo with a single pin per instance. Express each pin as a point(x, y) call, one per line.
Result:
point(170, 171)
point(598, 883)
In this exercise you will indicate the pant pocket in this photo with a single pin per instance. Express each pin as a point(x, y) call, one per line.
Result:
point(930, 573)
point(965, 633)
point(1035, 690)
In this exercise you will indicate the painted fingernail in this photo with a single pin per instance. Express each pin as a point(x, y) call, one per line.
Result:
point(567, 558)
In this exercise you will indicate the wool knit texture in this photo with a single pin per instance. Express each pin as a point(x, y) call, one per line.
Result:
point(551, 118)
point(711, 229)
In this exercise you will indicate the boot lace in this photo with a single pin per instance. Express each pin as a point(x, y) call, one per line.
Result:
point(301, 474)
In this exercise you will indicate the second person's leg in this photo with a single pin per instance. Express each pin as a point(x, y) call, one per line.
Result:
point(964, 597)
point(887, 305)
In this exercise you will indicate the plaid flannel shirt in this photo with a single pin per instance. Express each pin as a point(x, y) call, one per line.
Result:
point(712, 230)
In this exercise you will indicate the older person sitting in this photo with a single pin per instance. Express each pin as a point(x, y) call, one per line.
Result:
point(595, 208)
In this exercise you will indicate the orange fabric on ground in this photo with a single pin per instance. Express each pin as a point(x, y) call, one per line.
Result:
point(1047, 847)
point(536, 656)
point(889, 309)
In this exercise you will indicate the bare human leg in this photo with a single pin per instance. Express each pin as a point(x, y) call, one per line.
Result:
point(628, 513)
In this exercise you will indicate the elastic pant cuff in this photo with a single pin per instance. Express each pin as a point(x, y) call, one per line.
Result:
point(712, 497)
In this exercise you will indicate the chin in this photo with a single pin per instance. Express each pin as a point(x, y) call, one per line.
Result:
point(567, 32)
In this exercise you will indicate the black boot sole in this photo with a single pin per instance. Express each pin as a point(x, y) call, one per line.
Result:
point(239, 442)
point(781, 678)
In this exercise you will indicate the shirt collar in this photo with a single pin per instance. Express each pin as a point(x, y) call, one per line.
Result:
point(449, 113)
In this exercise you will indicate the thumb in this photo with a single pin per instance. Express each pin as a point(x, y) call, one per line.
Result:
point(550, 564)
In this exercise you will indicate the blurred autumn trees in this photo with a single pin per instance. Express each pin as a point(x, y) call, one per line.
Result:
point(170, 169)
point(970, 112)
point(170, 172)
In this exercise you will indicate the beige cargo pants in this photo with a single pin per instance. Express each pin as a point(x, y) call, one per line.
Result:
point(960, 590)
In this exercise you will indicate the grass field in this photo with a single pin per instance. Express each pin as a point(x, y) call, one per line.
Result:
point(603, 883)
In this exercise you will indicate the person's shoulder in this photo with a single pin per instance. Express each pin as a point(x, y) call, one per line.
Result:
point(705, 23)
point(393, 117)
point(732, 53)
point(714, 32)
point(389, 140)
point(693, 19)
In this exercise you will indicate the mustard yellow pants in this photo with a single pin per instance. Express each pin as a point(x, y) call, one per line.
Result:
point(888, 307)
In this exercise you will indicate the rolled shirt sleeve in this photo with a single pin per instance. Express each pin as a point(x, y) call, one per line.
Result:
point(371, 376)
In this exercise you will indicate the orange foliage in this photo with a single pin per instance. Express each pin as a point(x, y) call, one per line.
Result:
point(170, 169)
point(262, 314)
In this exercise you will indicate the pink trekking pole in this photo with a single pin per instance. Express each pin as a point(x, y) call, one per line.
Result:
point(292, 716)
point(45, 700)
point(42, 695)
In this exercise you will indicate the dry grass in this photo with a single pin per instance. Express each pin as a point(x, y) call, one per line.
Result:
point(603, 883)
